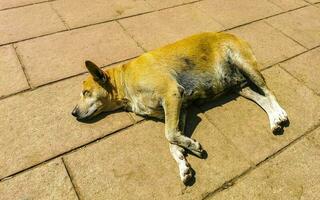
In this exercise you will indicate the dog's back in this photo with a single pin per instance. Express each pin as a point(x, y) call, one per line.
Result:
point(200, 64)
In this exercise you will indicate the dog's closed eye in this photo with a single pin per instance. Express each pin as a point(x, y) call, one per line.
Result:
point(86, 93)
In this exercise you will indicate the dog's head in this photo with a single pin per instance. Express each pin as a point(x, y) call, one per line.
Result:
point(97, 94)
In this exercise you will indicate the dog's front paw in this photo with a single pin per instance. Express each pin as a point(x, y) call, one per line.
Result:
point(185, 173)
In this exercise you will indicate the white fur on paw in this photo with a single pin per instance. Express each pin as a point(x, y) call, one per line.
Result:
point(185, 172)
point(277, 119)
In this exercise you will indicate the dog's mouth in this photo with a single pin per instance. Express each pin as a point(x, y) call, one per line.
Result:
point(88, 115)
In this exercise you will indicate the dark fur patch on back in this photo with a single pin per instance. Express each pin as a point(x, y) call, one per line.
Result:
point(188, 63)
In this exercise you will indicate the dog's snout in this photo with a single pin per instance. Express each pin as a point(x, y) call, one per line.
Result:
point(75, 112)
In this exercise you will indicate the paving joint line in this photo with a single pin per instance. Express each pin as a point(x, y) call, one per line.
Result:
point(299, 80)
point(131, 36)
point(264, 18)
point(307, 2)
point(22, 66)
point(71, 179)
point(26, 5)
point(289, 58)
point(60, 17)
point(69, 151)
point(238, 178)
point(224, 136)
point(286, 35)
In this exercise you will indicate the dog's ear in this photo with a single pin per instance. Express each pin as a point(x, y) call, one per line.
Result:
point(98, 74)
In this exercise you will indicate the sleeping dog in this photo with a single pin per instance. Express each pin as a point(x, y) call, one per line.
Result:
point(163, 82)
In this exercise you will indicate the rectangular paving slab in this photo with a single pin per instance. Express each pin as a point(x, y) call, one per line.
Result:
point(303, 25)
point(247, 125)
point(12, 78)
point(82, 12)
point(293, 174)
point(61, 55)
point(306, 68)
point(235, 13)
point(48, 181)
point(38, 125)
point(269, 45)
point(156, 29)
point(27, 22)
point(137, 164)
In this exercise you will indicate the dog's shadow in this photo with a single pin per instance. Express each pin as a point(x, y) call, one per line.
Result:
point(192, 121)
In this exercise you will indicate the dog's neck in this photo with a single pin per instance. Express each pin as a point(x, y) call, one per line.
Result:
point(115, 75)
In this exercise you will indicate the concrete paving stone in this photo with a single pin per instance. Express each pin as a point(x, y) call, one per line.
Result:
point(156, 29)
point(37, 125)
point(289, 4)
point(61, 55)
point(12, 78)
point(269, 45)
point(48, 181)
point(306, 69)
point(167, 3)
point(27, 22)
point(303, 25)
point(14, 3)
point(232, 13)
point(293, 174)
point(144, 169)
point(81, 12)
point(247, 125)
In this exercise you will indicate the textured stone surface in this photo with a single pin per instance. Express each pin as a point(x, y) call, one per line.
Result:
point(303, 25)
point(15, 3)
point(294, 174)
point(48, 181)
point(289, 4)
point(247, 126)
point(136, 164)
point(58, 56)
point(12, 78)
point(269, 45)
point(306, 68)
point(167, 3)
point(82, 12)
point(27, 22)
point(160, 28)
point(38, 125)
point(233, 13)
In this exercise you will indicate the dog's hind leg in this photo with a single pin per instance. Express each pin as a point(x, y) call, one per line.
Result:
point(172, 105)
point(277, 116)
point(246, 62)
point(185, 171)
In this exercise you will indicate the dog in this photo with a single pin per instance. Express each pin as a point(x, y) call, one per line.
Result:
point(163, 82)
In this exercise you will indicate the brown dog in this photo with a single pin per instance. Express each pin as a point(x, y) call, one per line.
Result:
point(161, 82)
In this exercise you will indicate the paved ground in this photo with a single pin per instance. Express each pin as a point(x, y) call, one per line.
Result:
point(46, 154)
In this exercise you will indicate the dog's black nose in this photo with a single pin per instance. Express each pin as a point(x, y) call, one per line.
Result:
point(75, 111)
